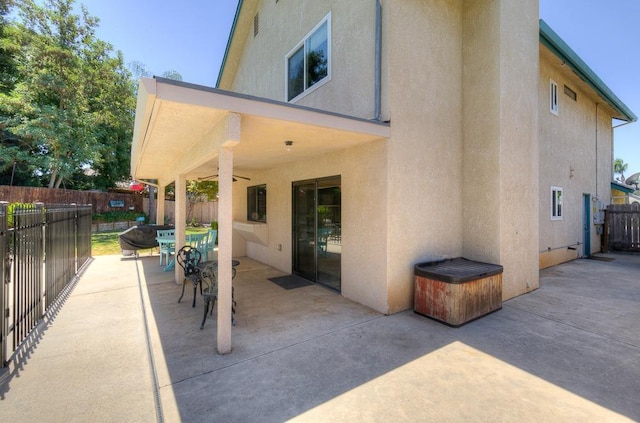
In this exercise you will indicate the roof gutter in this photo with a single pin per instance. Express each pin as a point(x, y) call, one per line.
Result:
point(553, 42)
point(226, 51)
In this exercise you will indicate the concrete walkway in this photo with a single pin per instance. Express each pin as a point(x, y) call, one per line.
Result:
point(119, 348)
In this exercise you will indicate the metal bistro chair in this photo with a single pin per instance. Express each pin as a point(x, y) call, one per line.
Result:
point(188, 258)
point(209, 277)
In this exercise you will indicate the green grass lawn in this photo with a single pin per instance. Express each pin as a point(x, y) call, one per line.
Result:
point(106, 243)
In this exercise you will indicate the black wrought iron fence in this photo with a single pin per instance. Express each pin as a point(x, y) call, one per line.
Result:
point(43, 247)
point(5, 271)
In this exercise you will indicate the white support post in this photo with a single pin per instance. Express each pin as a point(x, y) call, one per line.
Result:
point(225, 221)
point(160, 205)
point(181, 220)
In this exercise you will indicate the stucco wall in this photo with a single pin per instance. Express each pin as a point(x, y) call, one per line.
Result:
point(467, 130)
point(575, 154)
point(460, 89)
point(500, 59)
point(363, 172)
point(423, 50)
point(283, 25)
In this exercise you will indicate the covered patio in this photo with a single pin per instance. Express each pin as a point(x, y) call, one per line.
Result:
point(188, 132)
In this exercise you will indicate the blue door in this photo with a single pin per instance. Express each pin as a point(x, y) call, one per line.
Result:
point(586, 225)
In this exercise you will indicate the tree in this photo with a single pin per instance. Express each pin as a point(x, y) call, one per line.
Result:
point(172, 74)
point(198, 192)
point(619, 166)
point(72, 105)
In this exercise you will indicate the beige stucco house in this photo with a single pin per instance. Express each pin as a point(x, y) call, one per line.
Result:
point(576, 120)
point(377, 135)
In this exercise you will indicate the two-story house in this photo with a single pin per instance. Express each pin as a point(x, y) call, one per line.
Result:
point(377, 135)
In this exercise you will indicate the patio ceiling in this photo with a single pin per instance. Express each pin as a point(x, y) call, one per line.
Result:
point(180, 127)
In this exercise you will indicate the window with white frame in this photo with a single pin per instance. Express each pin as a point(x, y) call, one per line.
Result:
point(556, 203)
point(553, 97)
point(308, 64)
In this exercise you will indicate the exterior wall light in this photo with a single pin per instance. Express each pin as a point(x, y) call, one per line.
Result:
point(288, 145)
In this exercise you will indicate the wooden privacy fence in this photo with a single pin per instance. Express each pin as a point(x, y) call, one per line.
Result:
point(101, 202)
point(622, 227)
point(202, 212)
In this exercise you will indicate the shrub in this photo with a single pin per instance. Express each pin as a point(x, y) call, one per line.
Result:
point(22, 206)
point(116, 216)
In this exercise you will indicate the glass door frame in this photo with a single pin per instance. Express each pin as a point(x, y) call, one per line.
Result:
point(334, 279)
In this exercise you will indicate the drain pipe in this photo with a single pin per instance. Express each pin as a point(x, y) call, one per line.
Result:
point(597, 149)
point(378, 60)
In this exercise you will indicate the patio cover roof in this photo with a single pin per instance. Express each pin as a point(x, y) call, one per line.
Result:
point(179, 128)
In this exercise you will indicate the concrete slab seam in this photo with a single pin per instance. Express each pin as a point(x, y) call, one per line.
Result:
point(152, 363)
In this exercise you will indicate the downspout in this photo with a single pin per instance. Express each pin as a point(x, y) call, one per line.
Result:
point(597, 151)
point(378, 60)
point(612, 144)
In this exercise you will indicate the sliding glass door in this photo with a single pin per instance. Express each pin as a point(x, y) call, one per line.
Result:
point(317, 230)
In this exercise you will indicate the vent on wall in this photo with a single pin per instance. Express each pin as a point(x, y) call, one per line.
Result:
point(256, 24)
point(569, 92)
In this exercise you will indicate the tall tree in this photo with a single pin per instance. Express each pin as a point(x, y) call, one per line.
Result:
point(73, 101)
point(619, 166)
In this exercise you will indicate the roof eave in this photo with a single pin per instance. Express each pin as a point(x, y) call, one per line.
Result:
point(231, 34)
point(622, 187)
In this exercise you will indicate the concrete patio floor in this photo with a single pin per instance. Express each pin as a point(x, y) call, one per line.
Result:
point(119, 348)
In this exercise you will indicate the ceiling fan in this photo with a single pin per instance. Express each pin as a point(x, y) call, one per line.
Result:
point(206, 178)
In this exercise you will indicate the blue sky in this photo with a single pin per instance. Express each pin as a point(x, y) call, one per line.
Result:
point(190, 37)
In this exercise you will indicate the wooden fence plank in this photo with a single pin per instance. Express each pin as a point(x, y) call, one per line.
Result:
point(623, 227)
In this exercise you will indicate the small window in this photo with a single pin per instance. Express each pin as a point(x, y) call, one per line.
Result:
point(556, 203)
point(570, 93)
point(308, 63)
point(257, 203)
point(553, 97)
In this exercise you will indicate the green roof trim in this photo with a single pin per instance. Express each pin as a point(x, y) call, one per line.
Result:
point(553, 42)
point(622, 188)
point(226, 51)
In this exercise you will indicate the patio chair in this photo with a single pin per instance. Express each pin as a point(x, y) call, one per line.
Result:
point(188, 258)
point(166, 247)
point(323, 237)
point(209, 278)
point(210, 244)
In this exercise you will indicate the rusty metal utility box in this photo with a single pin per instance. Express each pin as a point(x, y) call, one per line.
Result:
point(456, 291)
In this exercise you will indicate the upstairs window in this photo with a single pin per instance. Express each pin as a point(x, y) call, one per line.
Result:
point(309, 63)
point(553, 97)
point(556, 203)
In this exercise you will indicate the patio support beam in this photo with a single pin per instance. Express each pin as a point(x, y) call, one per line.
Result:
point(230, 139)
point(225, 222)
point(181, 219)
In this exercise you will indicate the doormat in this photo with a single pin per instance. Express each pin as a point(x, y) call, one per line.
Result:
point(290, 281)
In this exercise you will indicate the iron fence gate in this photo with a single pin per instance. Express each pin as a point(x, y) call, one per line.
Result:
point(43, 248)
